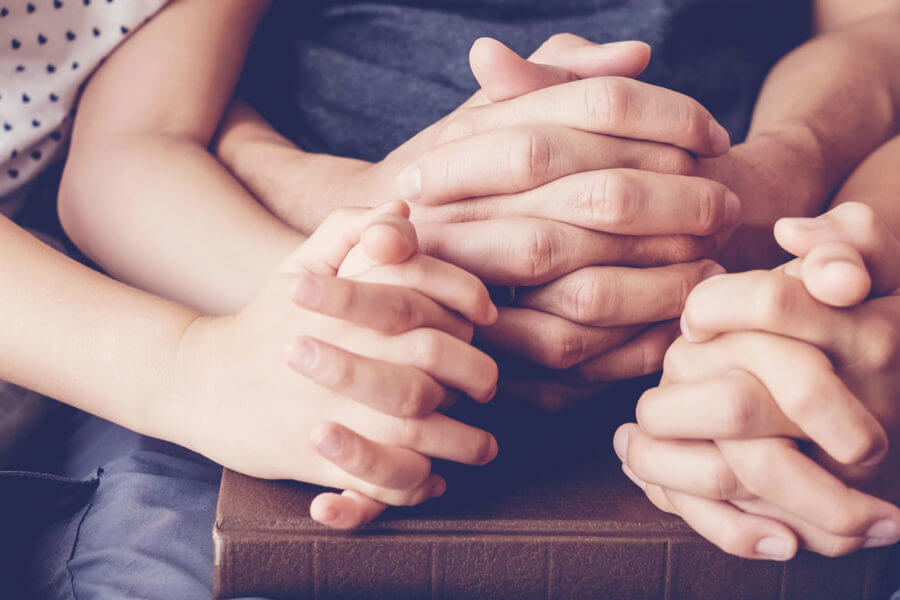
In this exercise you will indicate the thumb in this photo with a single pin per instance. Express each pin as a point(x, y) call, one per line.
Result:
point(834, 273)
point(325, 250)
point(503, 74)
point(858, 229)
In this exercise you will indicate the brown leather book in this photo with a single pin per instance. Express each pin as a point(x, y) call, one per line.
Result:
point(553, 517)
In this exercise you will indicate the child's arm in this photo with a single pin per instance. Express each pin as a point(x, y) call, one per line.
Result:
point(141, 194)
point(318, 378)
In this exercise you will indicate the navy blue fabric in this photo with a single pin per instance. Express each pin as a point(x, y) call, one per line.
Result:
point(146, 531)
point(357, 78)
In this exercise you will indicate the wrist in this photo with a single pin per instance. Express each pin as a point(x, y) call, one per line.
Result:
point(185, 417)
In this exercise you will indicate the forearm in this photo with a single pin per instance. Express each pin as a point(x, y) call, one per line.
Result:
point(141, 194)
point(830, 103)
point(301, 188)
point(876, 182)
point(75, 335)
point(162, 214)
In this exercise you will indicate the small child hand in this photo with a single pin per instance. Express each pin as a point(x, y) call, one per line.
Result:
point(349, 404)
point(769, 357)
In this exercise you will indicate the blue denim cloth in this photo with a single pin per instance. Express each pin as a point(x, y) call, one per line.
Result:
point(146, 531)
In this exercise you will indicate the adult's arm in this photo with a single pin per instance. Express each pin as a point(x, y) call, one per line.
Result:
point(141, 194)
point(822, 109)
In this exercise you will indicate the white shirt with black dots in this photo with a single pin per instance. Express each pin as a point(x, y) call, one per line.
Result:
point(48, 48)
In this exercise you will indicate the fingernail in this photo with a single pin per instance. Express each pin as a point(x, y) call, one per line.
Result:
point(886, 528)
point(438, 488)
point(804, 223)
point(732, 208)
point(620, 444)
point(634, 478)
point(711, 270)
point(331, 444)
point(308, 291)
point(879, 542)
point(302, 355)
point(719, 139)
point(409, 183)
point(774, 548)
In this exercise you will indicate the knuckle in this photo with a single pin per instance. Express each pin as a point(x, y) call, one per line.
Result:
point(415, 402)
point(606, 103)
point(530, 159)
point(584, 296)
point(815, 380)
point(675, 357)
point(403, 315)
point(739, 411)
point(613, 201)
point(756, 469)
point(429, 349)
point(411, 432)
point(775, 300)
point(340, 372)
point(566, 348)
point(536, 259)
point(880, 351)
point(725, 485)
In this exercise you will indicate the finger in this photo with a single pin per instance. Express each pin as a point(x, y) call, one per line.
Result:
point(528, 251)
point(734, 531)
point(733, 405)
point(641, 356)
point(616, 106)
point(801, 380)
point(549, 340)
point(390, 309)
point(771, 301)
point(389, 240)
point(449, 360)
point(562, 58)
point(329, 244)
point(433, 435)
point(378, 464)
point(612, 296)
point(693, 467)
point(811, 537)
point(521, 158)
point(621, 201)
point(348, 510)
point(834, 273)
point(774, 469)
point(852, 223)
point(444, 283)
point(432, 487)
point(390, 388)
point(503, 74)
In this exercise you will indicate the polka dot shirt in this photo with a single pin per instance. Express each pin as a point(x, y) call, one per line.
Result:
point(48, 49)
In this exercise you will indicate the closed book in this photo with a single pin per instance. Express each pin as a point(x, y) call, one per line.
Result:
point(552, 517)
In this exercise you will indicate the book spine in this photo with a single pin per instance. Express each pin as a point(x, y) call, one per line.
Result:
point(497, 566)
